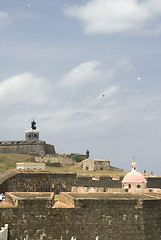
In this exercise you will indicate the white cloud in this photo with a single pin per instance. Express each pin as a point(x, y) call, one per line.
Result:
point(23, 89)
point(81, 74)
point(91, 72)
point(4, 19)
point(109, 16)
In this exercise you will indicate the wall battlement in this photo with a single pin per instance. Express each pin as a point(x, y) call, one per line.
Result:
point(26, 147)
point(44, 181)
point(108, 216)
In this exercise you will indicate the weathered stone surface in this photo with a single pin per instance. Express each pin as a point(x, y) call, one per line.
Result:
point(43, 181)
point(110, 217)
point(25, 147)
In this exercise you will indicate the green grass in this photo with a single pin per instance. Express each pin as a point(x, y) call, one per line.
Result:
point(9, 160)
point(78, 169)
point(56, 197)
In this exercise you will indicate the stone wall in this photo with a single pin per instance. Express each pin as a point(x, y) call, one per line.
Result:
point(95, 164)
point(101, 181)
point(109, 219)
point(153, 182)
point(26, 147)
point(41, 181)
point(53, 159)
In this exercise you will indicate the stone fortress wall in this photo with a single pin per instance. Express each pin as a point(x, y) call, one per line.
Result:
point(43, 181)
point(27, 147)
point(56, 160)
point(82, 216)
point(116, 216)
point(31, 213)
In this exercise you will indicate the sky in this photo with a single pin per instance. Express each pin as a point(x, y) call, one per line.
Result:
point(88, 72)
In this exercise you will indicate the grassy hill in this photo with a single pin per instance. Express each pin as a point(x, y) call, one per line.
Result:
point(9, 160)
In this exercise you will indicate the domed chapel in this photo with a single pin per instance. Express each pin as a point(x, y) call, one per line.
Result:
point(134, 179)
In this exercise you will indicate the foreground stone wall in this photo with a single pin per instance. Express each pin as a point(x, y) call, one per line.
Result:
point(26, 147)
point(109, 219)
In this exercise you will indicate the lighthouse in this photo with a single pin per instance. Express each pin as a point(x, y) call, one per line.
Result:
point(32, 133)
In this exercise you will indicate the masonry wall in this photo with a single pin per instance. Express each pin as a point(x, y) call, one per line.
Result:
point(152, 220)
point(107, 219)
point(53, 182)
point(102, 181)
point(153, 182)
point(58, 182)
point(39, 182)
point(25, 147)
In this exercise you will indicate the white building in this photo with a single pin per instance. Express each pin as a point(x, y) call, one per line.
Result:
point(30, 166)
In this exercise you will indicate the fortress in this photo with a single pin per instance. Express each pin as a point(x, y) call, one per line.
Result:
point(31, 145)
point(89, 207)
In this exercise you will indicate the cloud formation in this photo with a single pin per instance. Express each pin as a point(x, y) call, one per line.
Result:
point(4, 19)
point(109, 17)
point(25, 89)
point(85, 73)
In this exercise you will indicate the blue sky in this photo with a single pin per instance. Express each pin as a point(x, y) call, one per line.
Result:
point(58, 58)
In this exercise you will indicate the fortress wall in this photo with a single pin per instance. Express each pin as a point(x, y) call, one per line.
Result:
point(25, 181)
point(26, 147)
point(39, 182)
point(153, 182)
point(53, 182)
point(49, 149)
point(103, 181)
point(107, 219)
point(51, 160)
point(152, 219)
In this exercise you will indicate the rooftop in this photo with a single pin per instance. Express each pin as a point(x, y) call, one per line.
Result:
point(107, 195)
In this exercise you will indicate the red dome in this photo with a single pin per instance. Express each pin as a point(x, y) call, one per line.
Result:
point(134, 176)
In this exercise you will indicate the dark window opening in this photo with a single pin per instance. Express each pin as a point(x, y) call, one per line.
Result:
point(31, 188)
point(45, 187)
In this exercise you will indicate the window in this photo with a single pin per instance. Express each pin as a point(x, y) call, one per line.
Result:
point(138, 186)
point(31, 188)
point(129, 185)
point(86, 168)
